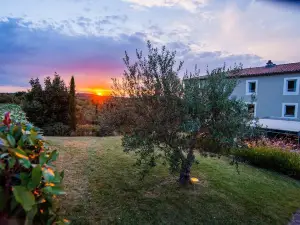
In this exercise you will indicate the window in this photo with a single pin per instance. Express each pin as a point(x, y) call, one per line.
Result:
point(252, 108)
point(291, 86)
point(290, 110)
point(251, 87)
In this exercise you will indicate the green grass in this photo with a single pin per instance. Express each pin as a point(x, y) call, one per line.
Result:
point(103, 188)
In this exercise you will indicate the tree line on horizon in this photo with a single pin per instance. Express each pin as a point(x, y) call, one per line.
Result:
point(12, 98)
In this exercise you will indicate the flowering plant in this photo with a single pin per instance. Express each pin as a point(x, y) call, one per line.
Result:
point(29, 182)
point(15, 112)
point(286, 144)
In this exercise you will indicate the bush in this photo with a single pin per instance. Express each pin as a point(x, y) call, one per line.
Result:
point(87, 130)
point(106, 130)
point(286, 162)
point(115, 117)
point(29, 181)
point(56, 129)
point(16, 112)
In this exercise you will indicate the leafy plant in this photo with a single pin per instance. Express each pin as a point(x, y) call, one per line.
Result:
point(16, 112)
point(29, 181)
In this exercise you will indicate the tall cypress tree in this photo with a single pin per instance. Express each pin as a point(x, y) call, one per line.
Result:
point(72, 105)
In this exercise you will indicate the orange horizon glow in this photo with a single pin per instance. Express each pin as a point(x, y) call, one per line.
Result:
point(96, 91)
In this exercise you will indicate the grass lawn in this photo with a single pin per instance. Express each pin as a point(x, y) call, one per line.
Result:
point(103, 188)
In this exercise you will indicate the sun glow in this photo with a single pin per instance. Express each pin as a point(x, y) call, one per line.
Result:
point(101, 92)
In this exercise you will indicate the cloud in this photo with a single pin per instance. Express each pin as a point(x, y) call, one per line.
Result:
point(214, 59)
point(211, 59)
point(272, 35)
point(122, 18)
point(190, 5)
point(27, 51)
point(30, 52)
point(181, 49)
point(83, 25)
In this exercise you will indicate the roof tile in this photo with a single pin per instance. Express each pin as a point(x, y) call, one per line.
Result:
point(276, 69)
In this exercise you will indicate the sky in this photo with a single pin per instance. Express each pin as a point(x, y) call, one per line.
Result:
point(88, 38)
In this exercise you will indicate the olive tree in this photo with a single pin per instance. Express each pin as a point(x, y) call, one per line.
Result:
point(169, 114)
point(225, 120)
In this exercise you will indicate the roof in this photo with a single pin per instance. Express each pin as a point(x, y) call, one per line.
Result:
point(269, 70)
point(279, 124)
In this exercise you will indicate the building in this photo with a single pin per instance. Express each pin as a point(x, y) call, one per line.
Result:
point(275, 87)
point(272, 94)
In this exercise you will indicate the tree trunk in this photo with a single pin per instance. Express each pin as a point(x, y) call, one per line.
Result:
point(185, 173)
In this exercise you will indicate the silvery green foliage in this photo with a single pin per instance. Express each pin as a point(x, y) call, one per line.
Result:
point(225, 118)
point(168, 114)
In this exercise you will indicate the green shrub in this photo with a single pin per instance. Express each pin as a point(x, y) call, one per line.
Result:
point(87, 130)
point(29, 181)
point(16, 112)
point(285, 162)
point(56, 129)
point(106, 130)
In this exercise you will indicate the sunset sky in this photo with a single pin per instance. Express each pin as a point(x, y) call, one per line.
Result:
point(87, 38)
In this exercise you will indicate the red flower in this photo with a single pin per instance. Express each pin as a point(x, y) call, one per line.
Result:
point(7, 119)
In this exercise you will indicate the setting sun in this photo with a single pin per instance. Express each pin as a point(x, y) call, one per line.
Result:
point(99, 91)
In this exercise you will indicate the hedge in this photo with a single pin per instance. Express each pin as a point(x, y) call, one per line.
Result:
point(286, 162)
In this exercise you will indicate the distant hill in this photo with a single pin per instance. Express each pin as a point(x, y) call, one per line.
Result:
point(93, 97)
